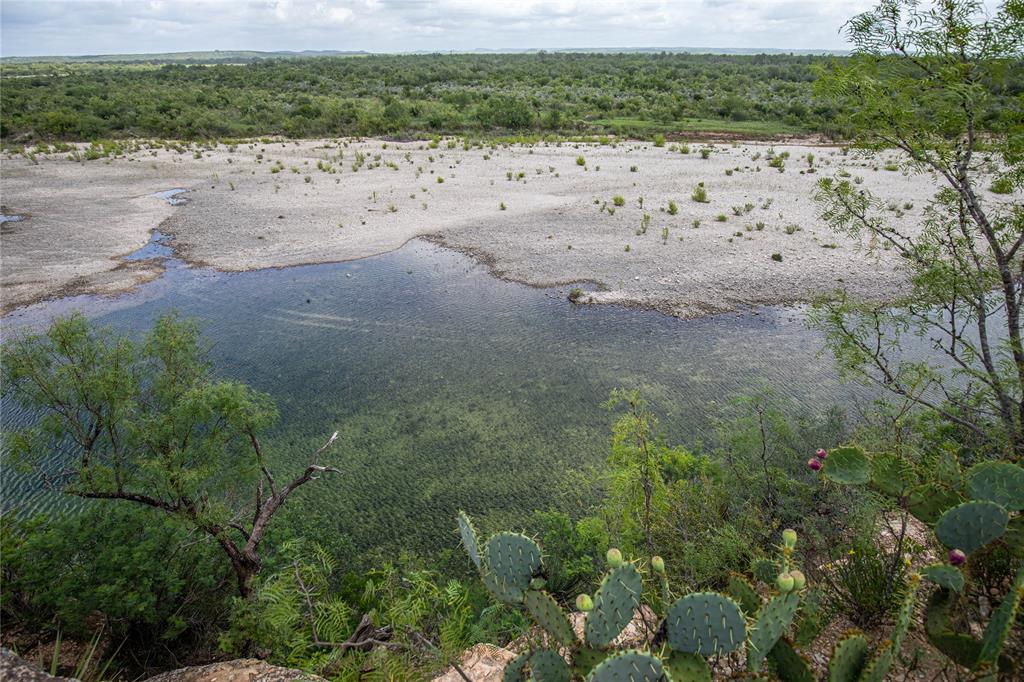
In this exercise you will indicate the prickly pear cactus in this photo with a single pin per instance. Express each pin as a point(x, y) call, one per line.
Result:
point(930, 501)
point(892, 475)
point(616, 601)
point(515, 671)
point(546, 665)
point(705, 623)
point(468, 534)
point(684, 667)
point(848, 466)
point(549, 615)
point(878, 667)
point(586, 659)
point(772, 621)
point(511, 560)
point(849, 656)
point(744, 594)
point(971, 525)
point(944, 575)
point(998, 482)
point(629, 666)
point(998, 628)
point(788, 664)
point(765, 570)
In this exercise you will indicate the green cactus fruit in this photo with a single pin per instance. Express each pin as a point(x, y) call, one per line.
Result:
point(744, 594)
point(658, 564)
point(998, 482)
point(789, 538)
point(511, 560)
point(629, 666)
point(538, 584)
point(546, 665)
point(772, 621)
point(788, 664)
point(878, 667)
point(684, 667)
point(549, 616)
point(971, 525)
point(586, 659)
point(584, 602)
point(944, 575)
point(705, 623)
point(849, 656)
point(765, 570)
point(785, 582)
point(848, 466)
point(468, 534)
point(999, 626)
point(930, 501)
point(515, 671)
point(614, 557)
point(892, 475)
point(616, 601)
point(799, 580)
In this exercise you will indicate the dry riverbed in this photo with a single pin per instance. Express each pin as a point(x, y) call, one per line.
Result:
point(533, 213)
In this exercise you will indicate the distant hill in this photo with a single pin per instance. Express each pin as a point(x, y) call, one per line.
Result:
point(239, 56)
point(210, 57)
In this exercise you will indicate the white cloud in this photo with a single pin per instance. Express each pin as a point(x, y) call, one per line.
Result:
point(110, 26)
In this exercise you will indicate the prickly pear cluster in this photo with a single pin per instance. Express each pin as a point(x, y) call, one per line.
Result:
point(694, 626)
point(967, 510)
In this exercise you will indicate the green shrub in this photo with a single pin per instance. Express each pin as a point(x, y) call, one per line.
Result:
point(700, 194)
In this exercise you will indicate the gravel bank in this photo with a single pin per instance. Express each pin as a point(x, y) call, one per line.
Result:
point(554, 222)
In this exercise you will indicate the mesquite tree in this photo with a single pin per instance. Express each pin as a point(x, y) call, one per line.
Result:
point(147, 423)
point(926, 80)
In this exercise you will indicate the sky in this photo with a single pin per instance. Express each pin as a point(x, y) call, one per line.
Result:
point(74, 27)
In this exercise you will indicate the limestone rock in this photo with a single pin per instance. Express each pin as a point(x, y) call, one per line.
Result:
point(239, 670)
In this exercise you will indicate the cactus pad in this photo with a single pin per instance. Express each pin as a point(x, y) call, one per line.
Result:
point(468, 534)
point(705, 623)
point(878, 667)
point(930, 501)
point(744, 594)
point(999, 626)
point(629, 666)
point(848, 466)
point(849, 656)
point(1014, 536)
point(684, 667)
point(999, 482)
point(547, 666)
point(550, 616)
point(765, 570)
point(789, 664)
point(586, 659)
point(511, 560)
point(945, 575)
point(772, 621)
point(971, 525)
point(614, 604)
point(892, 475)
point(515, 671)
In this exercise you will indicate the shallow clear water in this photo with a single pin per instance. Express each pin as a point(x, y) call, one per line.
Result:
point(451, 389)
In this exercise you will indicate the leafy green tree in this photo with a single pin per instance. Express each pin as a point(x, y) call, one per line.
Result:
point(637, 493)
point(926, 80)
point(158, 588)
point(148, 423)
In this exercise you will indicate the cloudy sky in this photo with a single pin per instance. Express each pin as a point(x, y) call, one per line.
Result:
point(71, 27)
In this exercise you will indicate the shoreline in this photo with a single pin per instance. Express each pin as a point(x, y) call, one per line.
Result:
point(622, 221)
